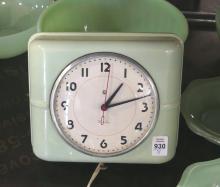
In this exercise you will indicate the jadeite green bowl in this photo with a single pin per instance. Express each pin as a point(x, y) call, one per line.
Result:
point(201, 108)
point(148, 16)
point(202, 174)
point(18, 20)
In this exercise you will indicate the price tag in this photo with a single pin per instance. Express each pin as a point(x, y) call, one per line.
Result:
point(159, 146)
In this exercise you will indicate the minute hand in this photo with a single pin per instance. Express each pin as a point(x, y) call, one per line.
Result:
point(127, 101)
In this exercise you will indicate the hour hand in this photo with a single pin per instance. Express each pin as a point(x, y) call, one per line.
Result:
point(105, 106)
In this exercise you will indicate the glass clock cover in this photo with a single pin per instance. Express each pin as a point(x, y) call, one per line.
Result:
point(104, 104)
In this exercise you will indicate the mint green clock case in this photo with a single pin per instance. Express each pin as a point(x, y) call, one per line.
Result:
point(49, 53)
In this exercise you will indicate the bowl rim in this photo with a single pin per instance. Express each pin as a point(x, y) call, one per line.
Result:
point(194, 168)
point(161, 3)
point(194, 124)
point(17, 33)
point(21, 37)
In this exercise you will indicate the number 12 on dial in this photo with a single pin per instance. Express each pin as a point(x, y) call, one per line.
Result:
point(104, 104)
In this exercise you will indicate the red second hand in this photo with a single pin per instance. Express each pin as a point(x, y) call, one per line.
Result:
point(103, 106)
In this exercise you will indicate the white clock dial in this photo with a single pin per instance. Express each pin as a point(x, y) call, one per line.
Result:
point(104, 104)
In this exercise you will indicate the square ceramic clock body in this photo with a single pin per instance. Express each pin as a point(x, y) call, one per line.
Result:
point(105, 97)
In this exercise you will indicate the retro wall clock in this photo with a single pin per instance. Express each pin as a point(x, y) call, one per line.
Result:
point(105, 97)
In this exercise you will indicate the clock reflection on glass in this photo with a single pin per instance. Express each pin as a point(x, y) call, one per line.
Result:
point(104, 104)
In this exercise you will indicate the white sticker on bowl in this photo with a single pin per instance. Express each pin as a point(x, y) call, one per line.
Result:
point(159, 146)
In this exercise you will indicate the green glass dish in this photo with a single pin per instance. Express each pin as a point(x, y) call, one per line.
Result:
point(201, 108)
point(18, 20)
point(127, 16)
point(202, 174)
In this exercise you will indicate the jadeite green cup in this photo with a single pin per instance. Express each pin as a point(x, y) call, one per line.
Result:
point(18, 20)
point(201, 108)
point(148, 16)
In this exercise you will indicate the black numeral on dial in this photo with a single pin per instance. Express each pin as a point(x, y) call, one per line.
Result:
point(70, 124)
point(103, 144)
point(140, 87)
point(139, 126)
point(123, 140)
point(85, 72)
point(64, 105)
point(71, 86)
point(145, 107)
point(84, 138)
point(105, 67)
point(125, 73)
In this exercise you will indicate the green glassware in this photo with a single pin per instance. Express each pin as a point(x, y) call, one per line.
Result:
point(147, 16)
point(202, 174)
point(201, 108)
point(18, 20)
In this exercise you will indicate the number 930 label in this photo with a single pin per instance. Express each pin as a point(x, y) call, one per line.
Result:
point(159, 146)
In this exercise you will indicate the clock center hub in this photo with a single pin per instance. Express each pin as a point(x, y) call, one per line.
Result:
point(107, 121)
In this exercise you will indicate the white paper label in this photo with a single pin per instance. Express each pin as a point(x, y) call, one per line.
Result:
point(159, 146)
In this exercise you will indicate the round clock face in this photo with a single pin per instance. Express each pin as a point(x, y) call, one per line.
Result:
point(104, 104)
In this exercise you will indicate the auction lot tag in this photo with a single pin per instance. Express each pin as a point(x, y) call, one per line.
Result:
point(159, 146)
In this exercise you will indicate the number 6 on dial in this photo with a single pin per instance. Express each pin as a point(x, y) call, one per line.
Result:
point(104, 97)
point(106, 106)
